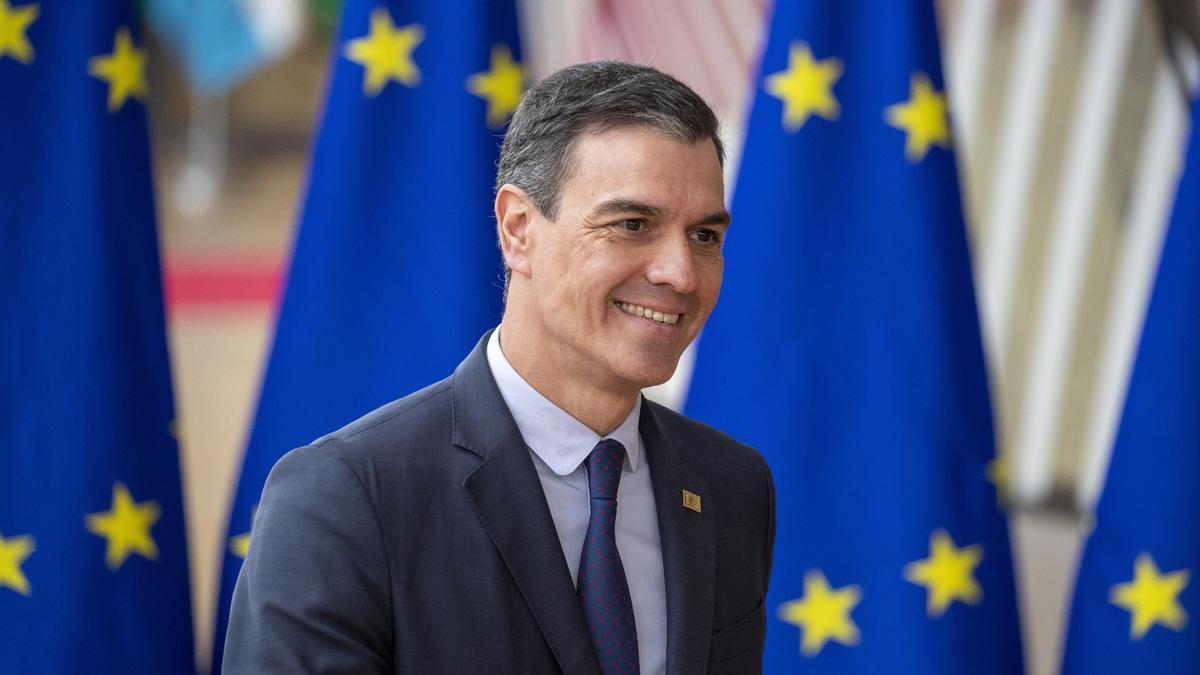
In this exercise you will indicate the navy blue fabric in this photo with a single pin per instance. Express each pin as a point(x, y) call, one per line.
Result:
point(85, 389)
point(395, 271)
point(846, 348)
point(603, 587)
point(418, 540)
point(1150, 508)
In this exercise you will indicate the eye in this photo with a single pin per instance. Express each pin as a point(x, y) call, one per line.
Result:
point(707, 236)
point(632, 225)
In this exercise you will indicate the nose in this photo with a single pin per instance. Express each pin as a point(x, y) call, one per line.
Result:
point(672, 264)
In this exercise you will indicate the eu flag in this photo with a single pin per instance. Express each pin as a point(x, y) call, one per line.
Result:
point(1137, 596)
point(93, 560)
point(395, 272)
point(846, 348)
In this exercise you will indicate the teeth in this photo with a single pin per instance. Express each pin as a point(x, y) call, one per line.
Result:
point(637, 310)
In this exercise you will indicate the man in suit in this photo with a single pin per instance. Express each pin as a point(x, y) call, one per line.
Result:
point(474, 526)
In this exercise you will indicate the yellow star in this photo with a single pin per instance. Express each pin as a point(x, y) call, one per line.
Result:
point(386, 53)
point(948, 574)
point(1152, 597)
point(922, 117)
point(13, 24)
point(806, 87)
point(124, 70)
point(13, 552)
point(823, 614)
point(1000, 475)
point(501, 86)
point(126, 527)
point(240, 545)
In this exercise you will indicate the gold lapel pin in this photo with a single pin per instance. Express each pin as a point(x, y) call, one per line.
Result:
point(691, 500)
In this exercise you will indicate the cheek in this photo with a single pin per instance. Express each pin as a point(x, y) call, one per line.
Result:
point(593, 296)
point(577, 296)
point(711, 272)
point(552, 272)
point(595, 275)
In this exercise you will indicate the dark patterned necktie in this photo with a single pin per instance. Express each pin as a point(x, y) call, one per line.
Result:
point(603, 589)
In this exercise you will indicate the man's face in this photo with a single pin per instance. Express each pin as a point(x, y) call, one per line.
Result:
point(626, 275)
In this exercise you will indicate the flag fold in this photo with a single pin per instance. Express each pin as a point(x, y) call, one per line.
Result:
point(1136, 597)
point(846, 348)
point(395, 272)
point(93, 557)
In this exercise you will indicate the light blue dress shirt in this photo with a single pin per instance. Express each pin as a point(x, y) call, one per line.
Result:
point(559, 444)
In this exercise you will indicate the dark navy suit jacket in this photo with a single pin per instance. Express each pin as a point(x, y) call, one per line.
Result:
point(418, 539)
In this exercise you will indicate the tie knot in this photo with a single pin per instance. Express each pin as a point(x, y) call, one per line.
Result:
point(604, 468)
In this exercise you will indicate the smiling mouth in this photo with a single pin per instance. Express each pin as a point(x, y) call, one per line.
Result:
point(647, 313)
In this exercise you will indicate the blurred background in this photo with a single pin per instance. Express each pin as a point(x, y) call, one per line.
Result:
point(1068, 114)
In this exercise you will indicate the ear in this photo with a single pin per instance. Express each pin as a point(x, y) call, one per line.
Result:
point(515, 212)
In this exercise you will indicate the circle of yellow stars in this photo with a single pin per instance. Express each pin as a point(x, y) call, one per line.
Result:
point(806, 88)
point(823, 614)
point(126, 526)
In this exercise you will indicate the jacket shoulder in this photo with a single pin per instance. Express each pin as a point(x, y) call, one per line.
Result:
point(422, 417)
point(699, 441)
point(397, 453)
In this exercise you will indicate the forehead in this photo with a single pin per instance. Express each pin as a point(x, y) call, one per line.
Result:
point(644, 164)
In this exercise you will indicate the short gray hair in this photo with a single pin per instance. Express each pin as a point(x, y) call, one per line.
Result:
point(594, 97)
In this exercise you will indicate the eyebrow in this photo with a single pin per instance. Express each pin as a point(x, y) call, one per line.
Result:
point(624, 205)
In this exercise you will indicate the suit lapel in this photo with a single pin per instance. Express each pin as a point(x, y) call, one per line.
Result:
point(687, 547)
point(511, 506)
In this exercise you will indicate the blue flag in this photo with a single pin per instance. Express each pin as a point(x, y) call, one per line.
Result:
point(396, 271)
point(93, 559)
point(1137, 593)
point(846, 348)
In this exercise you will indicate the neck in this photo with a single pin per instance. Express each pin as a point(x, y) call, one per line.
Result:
point(600, 408)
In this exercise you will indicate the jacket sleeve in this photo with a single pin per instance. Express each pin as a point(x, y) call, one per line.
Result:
point(770, 557)
point(314, 593)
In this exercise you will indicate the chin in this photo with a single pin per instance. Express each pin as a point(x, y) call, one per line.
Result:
point(644, 372)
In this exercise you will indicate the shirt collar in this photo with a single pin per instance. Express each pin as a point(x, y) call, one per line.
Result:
point(561, 441)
